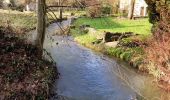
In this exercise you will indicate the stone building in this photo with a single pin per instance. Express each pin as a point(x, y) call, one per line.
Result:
point(140, 8)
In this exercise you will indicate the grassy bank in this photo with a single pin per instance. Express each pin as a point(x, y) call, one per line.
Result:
point(125, 51)
point(18, 20)
point(23, 22)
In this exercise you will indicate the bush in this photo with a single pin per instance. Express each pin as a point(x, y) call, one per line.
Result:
point(106, 9)
point(18, 8)
point(154, 15)
point(158, 54)
point(99, 10)
point(115, 9)
point(14, 5)
point(94, 11)
point(1, 4)
point(155, 7)
point(158, 50)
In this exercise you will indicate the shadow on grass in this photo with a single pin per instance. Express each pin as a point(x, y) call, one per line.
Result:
point(103, 23)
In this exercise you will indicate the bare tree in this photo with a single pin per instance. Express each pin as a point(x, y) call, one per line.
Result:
point(41, 24)
point(61, 10)
point(1, 4)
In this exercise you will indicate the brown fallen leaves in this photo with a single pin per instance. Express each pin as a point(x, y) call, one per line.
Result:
point(23, 76)
point(158, 50)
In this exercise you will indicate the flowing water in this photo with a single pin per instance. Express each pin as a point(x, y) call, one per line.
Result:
point(87, 75)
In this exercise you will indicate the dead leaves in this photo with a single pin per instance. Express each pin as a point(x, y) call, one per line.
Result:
point(22, 74)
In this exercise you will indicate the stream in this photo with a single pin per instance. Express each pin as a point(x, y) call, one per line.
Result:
point(88, 75)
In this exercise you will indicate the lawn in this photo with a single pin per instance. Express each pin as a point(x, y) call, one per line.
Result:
point(141, 26)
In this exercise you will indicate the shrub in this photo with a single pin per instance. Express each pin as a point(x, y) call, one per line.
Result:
point(158, 50)
point(18, 7)
point(1, 4)
point(106, 9)
point(94, 11)
point(99, 10)
point(154, 15)
point(115, 9)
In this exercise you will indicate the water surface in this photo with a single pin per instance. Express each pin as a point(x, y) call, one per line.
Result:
point(87, 75)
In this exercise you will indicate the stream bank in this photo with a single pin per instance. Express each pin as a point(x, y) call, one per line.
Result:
point(88, 75)
point(23, 75)
point(125, 45)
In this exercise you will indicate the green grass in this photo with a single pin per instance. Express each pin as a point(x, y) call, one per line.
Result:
point(18, 20)
point(82, 37)
point(141, 26)
point(133, 55)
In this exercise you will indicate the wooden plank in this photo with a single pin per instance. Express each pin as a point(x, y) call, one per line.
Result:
point(59, 6)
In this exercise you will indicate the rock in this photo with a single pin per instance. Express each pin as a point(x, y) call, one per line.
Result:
point(112, 44)
point(97, 41)
point(110, 37)
point(93, 32)
point(73, 19)
point(85, 31)
point(84, 26)
point(72, 26)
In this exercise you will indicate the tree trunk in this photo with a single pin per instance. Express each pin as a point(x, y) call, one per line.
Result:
point(61, 14)
point(27, 7)
point(61, 11)
point(131, 10)
point(41, 24)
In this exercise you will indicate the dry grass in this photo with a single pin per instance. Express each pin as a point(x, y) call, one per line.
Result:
point(158, 50)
